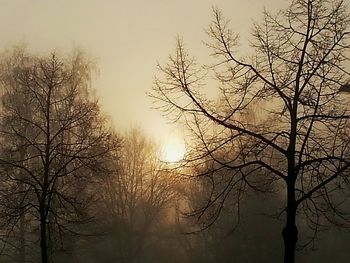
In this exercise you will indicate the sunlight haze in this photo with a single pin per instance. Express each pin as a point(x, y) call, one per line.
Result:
point(173, 151)
point(126, 38)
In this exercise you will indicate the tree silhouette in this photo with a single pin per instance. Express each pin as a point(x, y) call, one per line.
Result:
point(281, 114)
point(54, 141)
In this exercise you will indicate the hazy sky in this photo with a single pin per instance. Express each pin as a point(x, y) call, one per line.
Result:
point(127, 38)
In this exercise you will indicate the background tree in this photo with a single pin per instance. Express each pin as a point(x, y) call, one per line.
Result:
point(299, 136)
point(54, 139)
point(135, 203)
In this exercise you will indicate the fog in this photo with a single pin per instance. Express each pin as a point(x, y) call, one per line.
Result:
point(201, 132)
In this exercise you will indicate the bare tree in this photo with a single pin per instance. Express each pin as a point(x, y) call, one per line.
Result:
point(136, 198)
point(299, 137)
point(54, 140)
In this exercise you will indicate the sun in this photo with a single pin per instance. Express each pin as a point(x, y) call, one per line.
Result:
point(173, 151)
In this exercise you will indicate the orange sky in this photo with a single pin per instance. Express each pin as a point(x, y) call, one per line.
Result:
point(127, 38)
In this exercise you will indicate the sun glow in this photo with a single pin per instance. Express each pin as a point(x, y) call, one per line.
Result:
point(173, 151)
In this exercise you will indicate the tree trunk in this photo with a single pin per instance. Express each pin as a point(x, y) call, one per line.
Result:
point(22, 219)
point(290, 235)
point(290, 231)
point(22, 239)
point(43, 239)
